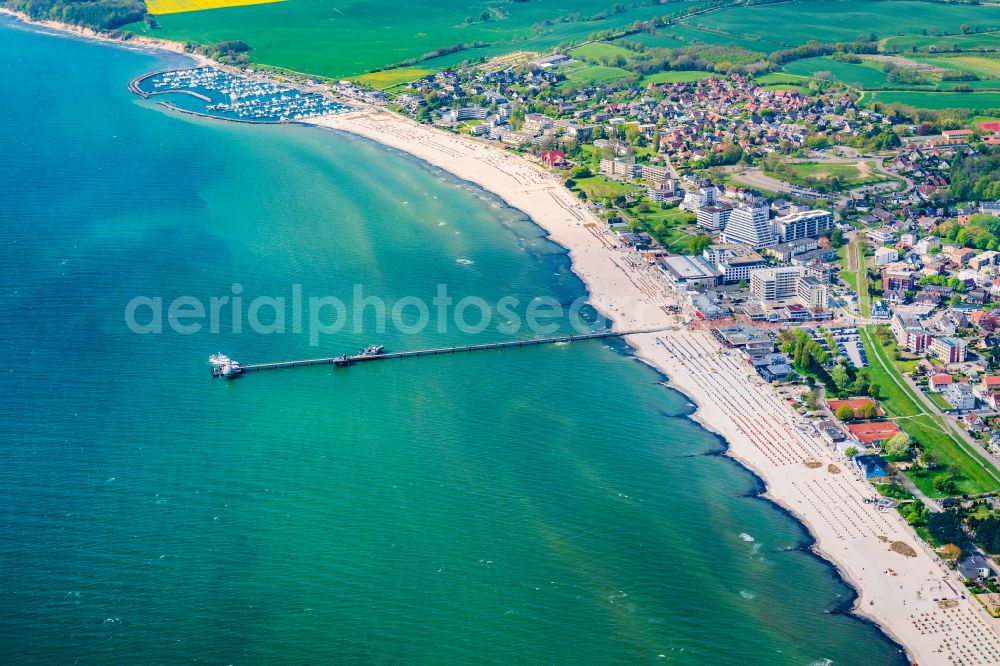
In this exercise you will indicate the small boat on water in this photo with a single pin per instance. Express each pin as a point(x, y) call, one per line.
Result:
point(372, 350)
point(223, 366)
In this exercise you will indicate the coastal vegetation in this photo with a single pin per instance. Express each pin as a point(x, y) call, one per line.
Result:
point(94, 14)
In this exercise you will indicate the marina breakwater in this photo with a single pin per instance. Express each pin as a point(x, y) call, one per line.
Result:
point(227, 96)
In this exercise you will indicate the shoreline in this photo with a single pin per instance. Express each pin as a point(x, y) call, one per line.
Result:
point(707, 375)
point(137, 41)
point(890, 589)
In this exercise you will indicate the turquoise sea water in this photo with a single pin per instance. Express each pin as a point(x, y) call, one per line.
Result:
point(543, 505)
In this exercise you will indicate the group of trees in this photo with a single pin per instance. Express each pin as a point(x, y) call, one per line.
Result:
point(95, 14)
point(976, 178)
point(807, 355)
point(813, 49)
point(865, 411)
point(981, 231)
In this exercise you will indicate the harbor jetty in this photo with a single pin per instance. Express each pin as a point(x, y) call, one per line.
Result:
point(377, 354)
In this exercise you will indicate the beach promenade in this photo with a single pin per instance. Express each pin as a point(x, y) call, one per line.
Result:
point(915, 599)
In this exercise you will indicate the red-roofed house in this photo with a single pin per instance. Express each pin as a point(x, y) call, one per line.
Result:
point(872, 432)
point(938, 383)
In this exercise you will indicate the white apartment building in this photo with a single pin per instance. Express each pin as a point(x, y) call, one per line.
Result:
point(803, 225)
point(775, 284)
point(714, 218)
point(749, 224)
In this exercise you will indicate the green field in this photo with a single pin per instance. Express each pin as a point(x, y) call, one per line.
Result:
point(797, 22)
point(322, 38)
point(596, 74)
point(654, 40)
point(676, 77)
point(866, 75)
point(690, 35)
point(599, 187)
point(802, 90)
point(898, 400)
point(984, 67)
point(947, 100)
point(986, 40)
point(392, 77)
point(781, 77)
point(600, 52)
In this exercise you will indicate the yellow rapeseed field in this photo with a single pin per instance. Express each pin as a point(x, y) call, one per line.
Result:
point(160, 7)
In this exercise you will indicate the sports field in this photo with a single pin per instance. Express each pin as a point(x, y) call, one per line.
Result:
point(596, 74)
point(600, 52)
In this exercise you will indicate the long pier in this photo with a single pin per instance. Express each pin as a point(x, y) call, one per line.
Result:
point(347, 360)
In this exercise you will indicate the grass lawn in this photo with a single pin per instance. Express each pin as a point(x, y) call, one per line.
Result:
point(667, 225)
point(898, 400)
point(803, 90)
point(676, 77)
point(596, 74)
point(811, 174)
point(392, 77)
point(597, 51)
point(599, 187)
point(976, 101)
point(866, 75)
point(939, 400)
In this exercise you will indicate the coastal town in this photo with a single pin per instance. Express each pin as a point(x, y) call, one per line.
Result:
point(838, 265)
point(818, 273)
point(831, 272)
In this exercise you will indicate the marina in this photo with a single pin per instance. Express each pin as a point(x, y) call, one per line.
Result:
point(215, 93)
point(227, 368)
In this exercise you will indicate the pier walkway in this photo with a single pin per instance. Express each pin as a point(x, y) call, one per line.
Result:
point(346, 360)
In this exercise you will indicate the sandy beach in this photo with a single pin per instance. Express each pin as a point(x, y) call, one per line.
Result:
point(916, 600)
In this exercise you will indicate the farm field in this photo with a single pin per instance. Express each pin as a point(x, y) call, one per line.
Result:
point(654, 40)
point(317, 37)
point(689, 35)
point(676, 77)
point(797, 22)
point(984, 67)
point(985, 40)
point(858, 75)
point(161, 7)
point(946, 100)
